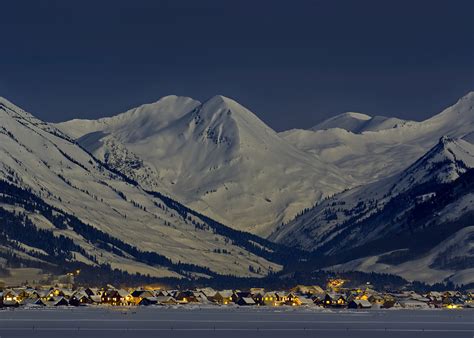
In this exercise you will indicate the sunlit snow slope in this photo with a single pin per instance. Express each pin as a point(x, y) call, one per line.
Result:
point(217, 157)
point(68, 182)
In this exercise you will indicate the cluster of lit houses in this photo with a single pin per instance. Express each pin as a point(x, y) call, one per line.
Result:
point(335, 296)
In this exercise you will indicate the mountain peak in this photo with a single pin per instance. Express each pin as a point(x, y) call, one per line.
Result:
point(350, 121)
point(468, 97)
point(355, 115)
point(445, 140)
point(220, 101)
point(445, 162)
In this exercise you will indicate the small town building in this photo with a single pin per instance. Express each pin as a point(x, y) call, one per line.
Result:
point(245, 301)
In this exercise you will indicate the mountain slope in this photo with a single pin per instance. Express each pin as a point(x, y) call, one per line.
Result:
point(435, 242)
point(400, 221)
point(358, 123)
point(65, 191)
point(373, 155)
point(219, 158)
point(444, 163)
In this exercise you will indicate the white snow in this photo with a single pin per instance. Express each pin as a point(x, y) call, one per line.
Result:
point(358, 123)
point(218, 157)
point(372, 155)
point(66, 176)
point(443, 163)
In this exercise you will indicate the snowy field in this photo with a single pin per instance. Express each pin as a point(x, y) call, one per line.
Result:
point(233, 322)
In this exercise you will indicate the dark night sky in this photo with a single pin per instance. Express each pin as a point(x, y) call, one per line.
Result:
point(293, 63)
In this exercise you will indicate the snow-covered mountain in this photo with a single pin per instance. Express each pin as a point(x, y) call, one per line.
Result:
point(380, 219)
point(217, 157)
point(59, 203)
point(436, 243)
point(370, 154)
point(371, 193)
point(358, 123)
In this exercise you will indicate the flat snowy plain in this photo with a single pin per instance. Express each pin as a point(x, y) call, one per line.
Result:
point(233, 322)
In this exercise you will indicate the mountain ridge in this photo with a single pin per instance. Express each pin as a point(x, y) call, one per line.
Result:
point(39, 159)
point(222, 160)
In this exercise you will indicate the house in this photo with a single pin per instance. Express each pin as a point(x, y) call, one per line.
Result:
point(359, 304)
point(147, 301)
point(91, 291)
point(80, 298)
point(115, 297)
point(434, 296)
point(254, 291)
point(184, 297)
point(240, 294)
point(33, 294)
point(376, 299)
point(21, 293)
point(281, 297)
point(56, 301)
point(137, 295)
point(57, 292)
point(162, 293)
point(223, 297)
point(208, 292)
point(306, 301)
point(201, 297)
point(292, 299)
point(334, 300)
point(452, 303)
point(10, 296)
point(166, 300)
point(96, 299)
point(258, 298)
point(245, 301)
point(32, 302)
point(270, 299)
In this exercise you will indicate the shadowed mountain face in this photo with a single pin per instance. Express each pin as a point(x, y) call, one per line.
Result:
point(398, 224)
point(218, 157)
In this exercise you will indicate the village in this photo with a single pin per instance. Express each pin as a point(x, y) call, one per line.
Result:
point(334, 295)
